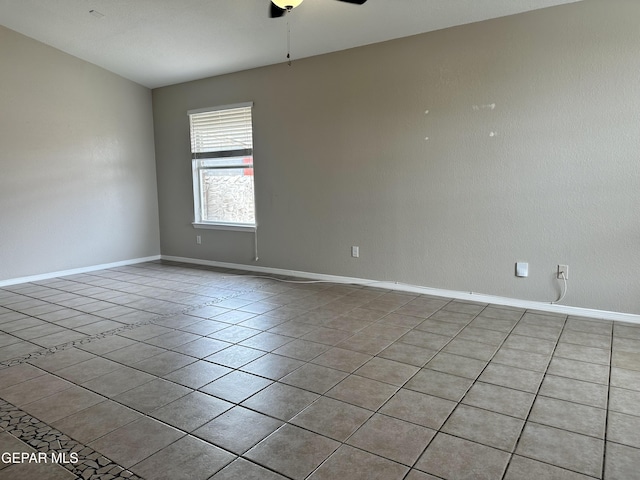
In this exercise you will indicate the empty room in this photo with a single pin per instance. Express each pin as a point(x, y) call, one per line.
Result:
point(319, 239)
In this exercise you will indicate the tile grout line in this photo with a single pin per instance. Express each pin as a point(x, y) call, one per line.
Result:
point(438, 430)
point(52, 350)
point(606, 418)
point(134, 409)
point(145, 323)
point(537, 393)
point(376, 356)
point(459, 402)
point(373, 412)
point(377, 411)
point(287, 422)
point(73, 292)
point(531, 409)
point(21, 425)
point(144, 414)
point(125, 327)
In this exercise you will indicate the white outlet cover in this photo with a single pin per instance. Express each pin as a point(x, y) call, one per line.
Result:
point(565, 270)
point(522, 269)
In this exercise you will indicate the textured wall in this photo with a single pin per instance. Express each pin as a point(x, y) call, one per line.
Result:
point(77, 170)
point(532, 155)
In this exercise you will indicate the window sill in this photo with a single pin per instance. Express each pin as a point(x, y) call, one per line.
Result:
point(237, 227)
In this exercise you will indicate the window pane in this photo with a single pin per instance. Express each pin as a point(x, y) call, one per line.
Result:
point(227, 195)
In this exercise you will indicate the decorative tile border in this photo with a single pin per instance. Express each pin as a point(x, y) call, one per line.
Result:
point(51, 350)
point(91, 465)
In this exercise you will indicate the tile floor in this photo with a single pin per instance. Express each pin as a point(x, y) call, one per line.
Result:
point(168, 371)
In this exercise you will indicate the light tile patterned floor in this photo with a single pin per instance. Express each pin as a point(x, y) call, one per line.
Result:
point(164, 370)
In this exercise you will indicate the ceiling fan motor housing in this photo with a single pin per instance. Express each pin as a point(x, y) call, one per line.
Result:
point(279, 8)
point(287, 4)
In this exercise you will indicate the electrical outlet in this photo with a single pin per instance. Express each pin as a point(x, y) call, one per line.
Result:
point(563, 269)
point(355, 251)
point(198, 239)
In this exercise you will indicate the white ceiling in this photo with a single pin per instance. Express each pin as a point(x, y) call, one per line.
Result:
point(162, 42)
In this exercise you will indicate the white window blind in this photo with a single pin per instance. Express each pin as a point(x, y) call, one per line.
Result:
point(222, 165)
point(221, 133)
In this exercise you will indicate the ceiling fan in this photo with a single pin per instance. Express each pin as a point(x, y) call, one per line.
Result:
point(280, 7)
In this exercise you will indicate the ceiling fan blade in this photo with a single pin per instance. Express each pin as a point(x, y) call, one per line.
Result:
point(275, 11)
point(357, 2)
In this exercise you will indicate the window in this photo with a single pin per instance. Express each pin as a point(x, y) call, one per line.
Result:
point(222, 160)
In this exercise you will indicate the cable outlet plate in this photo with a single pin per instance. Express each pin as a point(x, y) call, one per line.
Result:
point(522, 269)
point(563, 269)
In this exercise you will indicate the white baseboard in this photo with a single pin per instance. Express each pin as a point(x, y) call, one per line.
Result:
point(469, 296)
point(75, 271)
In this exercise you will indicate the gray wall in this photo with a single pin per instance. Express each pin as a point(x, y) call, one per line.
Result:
point(77, 169)
point(341, 158)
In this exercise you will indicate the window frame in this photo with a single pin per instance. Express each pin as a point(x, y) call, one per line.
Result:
point(226, 159)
